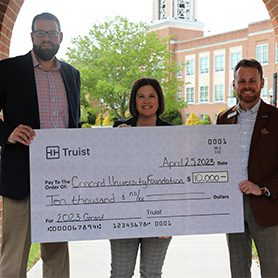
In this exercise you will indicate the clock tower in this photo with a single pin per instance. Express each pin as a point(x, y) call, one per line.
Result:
point(176, 18)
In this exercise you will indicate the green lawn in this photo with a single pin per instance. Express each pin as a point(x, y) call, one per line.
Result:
point(34, 255)
point(254, 252)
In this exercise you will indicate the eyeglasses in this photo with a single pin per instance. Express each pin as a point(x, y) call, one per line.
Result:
point(51, 33)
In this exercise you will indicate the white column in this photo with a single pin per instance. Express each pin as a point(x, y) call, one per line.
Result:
point(155, 8)
point(193, 9)
point(169, 8)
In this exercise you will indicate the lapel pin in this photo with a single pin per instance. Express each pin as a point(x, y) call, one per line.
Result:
point(231, 115)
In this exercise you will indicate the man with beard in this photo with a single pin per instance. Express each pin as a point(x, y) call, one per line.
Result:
point(258, 124)
point(36, 91)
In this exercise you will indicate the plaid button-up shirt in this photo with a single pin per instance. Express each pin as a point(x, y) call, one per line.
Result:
point(52, 96)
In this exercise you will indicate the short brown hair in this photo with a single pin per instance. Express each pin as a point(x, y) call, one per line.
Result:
point(45, 16)
point(249, 63)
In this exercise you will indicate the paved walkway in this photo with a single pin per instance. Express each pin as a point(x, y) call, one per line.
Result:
point(202, 256)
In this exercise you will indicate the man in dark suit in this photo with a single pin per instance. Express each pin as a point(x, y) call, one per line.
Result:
point(259, 160)
point(36, 91)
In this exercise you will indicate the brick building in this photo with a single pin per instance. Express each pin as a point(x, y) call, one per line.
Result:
point(184, 37)
point(208, 61)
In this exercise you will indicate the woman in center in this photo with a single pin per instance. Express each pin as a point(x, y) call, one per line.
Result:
point(146, 104)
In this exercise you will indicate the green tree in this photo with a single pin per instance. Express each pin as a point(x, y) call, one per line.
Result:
point(116, 53)
point(173, 117)
point(83, 115)
point(206, 120)
point(88, 115)
point(91, 115)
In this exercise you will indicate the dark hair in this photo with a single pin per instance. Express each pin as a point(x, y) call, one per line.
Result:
point(45, 16)
point(136, 86)
point(249, 63)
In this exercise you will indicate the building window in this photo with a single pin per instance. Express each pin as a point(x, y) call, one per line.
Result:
point(219, 62)
point(183, 9)
point(189, 67)
point(180, 96)
point(262, 53)
point(204, 65)
point(232, 91)
point(162, 9)
point(179, 73)
point(234, 59)
point(189, 95)
point(219, 92)
point(203, 94)
point(264, 91)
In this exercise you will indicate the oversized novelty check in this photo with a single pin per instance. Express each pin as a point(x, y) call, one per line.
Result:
point(104, 183)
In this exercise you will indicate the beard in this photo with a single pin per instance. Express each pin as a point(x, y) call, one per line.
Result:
point(248, 98)
point(46, 54)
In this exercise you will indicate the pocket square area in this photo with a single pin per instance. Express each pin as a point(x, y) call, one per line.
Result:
point(264, 131)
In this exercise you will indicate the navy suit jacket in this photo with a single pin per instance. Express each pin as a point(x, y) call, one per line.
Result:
point(19, 102)
point(263, 161)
